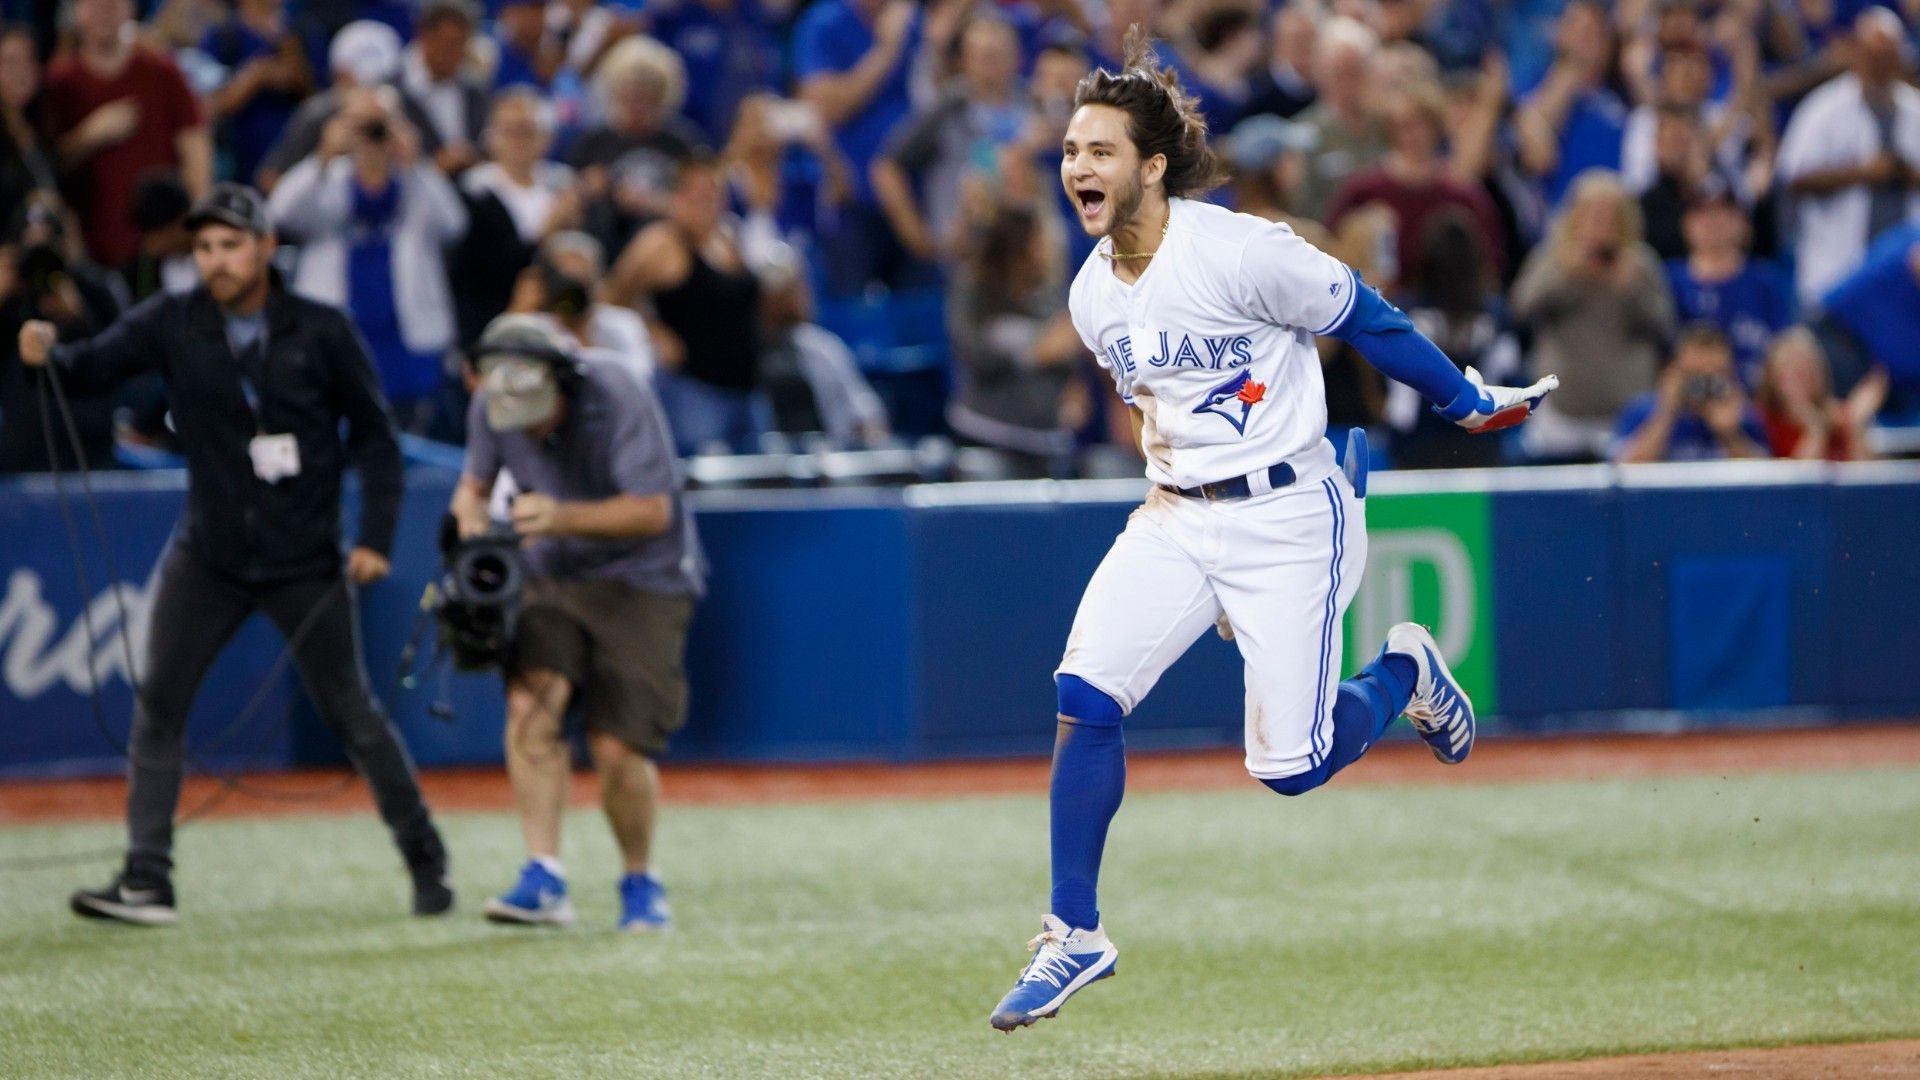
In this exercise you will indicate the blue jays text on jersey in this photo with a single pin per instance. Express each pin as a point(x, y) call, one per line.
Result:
point(1214, 353)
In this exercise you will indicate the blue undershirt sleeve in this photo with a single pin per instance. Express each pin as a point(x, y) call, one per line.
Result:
point(1387, 338)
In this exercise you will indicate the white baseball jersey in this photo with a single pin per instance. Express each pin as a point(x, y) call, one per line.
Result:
point(1214, 344)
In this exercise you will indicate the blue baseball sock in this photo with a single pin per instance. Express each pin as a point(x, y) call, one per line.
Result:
point(1362, 709)
point(1089, 779)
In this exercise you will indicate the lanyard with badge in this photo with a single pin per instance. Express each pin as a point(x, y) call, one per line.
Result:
point(275, 457)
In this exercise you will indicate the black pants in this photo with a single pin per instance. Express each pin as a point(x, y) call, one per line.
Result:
point(196, 612)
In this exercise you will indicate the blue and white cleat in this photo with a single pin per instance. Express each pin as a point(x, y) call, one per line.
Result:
point(1064, 960)
point(539, 897)
point(643, 904)
point(1439, 709)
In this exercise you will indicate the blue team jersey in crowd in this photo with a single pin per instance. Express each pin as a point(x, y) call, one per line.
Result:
point(1692, 439)
point(728, 55)
point(830, 39)
point(1880, 303)
point(1749, 308)
point(1591, 139)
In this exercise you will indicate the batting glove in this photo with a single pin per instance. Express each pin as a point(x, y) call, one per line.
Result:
point(1502, 407)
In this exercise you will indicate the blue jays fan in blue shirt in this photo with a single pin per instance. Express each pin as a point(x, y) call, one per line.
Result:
point(1717, 283)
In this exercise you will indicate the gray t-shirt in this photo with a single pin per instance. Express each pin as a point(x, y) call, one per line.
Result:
point(613, 442)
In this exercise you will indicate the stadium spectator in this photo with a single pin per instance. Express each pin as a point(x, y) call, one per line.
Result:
point(1686, 84)
point(120, 110)
point(373, 215)
point(1717, 283)
point(1345, 130)
point(27, 158)
point(1284, 87)
point(809, 375)
point(705, 300)
point(583, 31)
point(165, 261)
point(1056, 72)
point(627, 162)
point(1414, 182)
point(1595, 298)
point(1696, 413)
point(1851, 156)
point(523, 54)
point(1461, 34)
point(1683, 173)
point(363, 55)
point(563, 283)
point(1224, 49)
point(1872, 317)
point(786, 180)
point(1106, 44)
point(1802, 417)
point(433, 75)
point(267, 76)
point(1574, 120)
point(937, 150)
point(1015, 350)
point(515, 200)
point(1478, 153)
point(731, 50)
point(852, 62)
point(1454, 300)
point(44, 275)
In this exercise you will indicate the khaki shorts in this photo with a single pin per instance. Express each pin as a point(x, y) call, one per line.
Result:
point(622, 648)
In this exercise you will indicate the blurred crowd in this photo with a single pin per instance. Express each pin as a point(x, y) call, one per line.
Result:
point(839, 222)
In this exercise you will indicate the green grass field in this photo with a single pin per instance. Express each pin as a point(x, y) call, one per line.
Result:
point(1353, 930)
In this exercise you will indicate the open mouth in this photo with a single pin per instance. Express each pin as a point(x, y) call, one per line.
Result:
point(1090, 201)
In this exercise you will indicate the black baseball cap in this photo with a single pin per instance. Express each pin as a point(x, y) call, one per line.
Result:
point(231, 204)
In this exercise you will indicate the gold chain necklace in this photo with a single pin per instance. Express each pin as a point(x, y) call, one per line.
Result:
point(1145, 254)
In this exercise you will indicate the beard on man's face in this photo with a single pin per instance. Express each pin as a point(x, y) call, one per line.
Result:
point(1126, 204)
point(227, 287)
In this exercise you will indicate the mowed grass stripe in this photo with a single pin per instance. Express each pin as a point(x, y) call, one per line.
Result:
point(1353, 930)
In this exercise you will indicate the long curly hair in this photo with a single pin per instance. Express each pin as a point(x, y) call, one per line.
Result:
point(1162, 117)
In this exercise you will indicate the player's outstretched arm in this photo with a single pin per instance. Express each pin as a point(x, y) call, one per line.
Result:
point(1387, 338)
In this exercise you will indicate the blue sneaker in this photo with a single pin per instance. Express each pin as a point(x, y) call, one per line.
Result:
point(1064, 960)
point(643, 904)
point(540, 896)
point(1439, 710)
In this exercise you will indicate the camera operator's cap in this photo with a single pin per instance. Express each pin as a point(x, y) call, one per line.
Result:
point(227, 203)
point(516, 356)
point(367, 50)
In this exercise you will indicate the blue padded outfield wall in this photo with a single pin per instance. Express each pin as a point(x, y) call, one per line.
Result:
point(924, 622)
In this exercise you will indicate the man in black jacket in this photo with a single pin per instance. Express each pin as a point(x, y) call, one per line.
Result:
point(260, 381)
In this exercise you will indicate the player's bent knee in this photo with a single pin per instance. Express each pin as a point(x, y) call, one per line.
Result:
point(1081, 701)
point(1299, 783)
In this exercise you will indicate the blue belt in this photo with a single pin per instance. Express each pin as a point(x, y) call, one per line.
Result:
point(1237, 488)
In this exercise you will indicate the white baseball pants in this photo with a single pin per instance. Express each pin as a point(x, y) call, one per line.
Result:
point(1282, 567)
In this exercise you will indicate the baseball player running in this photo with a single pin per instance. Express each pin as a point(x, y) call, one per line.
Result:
point(1207, 319)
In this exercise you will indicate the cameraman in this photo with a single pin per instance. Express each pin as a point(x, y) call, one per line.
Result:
point(1697, 413)
point(617, 567)
point(261, 382)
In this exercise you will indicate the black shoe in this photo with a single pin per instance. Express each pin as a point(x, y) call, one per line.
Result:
point(431, 893)
point(427, 866)
point(149, 905)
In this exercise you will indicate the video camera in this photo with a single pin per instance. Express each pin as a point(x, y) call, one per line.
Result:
point(478, 597)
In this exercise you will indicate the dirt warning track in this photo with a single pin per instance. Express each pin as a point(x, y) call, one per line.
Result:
point(1494, 761)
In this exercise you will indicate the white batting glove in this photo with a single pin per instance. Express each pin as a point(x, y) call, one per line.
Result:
point(1502, 407)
